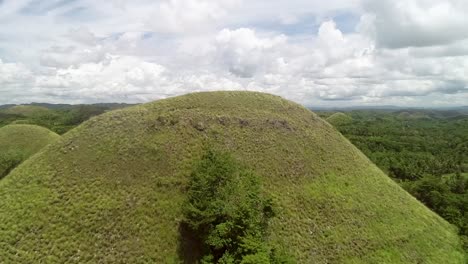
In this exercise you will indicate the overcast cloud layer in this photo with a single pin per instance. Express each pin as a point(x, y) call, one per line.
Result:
point(318, 53)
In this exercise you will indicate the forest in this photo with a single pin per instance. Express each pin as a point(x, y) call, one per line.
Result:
point(425, 151)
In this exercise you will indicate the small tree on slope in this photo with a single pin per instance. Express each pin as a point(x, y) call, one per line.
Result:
point(227, 212)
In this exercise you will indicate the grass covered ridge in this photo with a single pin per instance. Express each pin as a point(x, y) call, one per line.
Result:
point(112, 191)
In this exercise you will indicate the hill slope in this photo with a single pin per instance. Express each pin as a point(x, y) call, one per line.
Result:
point(19, 142)
point(111, 191)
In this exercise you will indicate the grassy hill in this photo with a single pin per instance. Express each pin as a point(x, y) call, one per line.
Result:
point(112, 190)
point(339, 119)
point(18, 142)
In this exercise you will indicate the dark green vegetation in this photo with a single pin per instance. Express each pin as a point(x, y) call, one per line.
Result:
point(425, 151)
point(58, 118)
point(226, 213)
point(19, 142)
point(113, 189)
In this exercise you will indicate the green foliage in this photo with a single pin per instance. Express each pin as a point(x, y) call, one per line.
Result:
point(410, 148)
point(228, 213)
point(6, 118)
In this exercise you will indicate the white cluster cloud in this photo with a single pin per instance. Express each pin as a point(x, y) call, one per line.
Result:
point(113, 77)
point(13, 73)
point(418, 23)
point(399, 52)
point(65, 56)
point(244, 54)
point(189, 16)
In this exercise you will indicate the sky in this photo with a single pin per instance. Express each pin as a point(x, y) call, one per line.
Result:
point(314, 52)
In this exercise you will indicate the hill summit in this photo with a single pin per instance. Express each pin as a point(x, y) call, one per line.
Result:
point(339, 119)
point(112, 190)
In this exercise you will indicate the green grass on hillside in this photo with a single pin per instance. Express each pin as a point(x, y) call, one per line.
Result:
point(18, 142)
point(424, 150)
point(112, 190)
point(339, 119)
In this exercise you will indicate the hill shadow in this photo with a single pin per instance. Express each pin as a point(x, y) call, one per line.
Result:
point(189, 249)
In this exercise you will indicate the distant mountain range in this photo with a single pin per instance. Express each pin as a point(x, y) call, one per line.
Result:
point(441, 112)
point(386, 107)
point(65, 106)
point(462, 109)
point(6, 106)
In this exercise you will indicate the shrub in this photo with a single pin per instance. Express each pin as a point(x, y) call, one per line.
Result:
point(228, 214)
